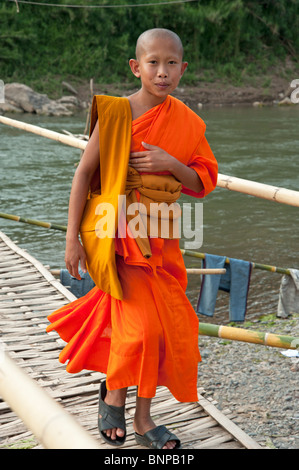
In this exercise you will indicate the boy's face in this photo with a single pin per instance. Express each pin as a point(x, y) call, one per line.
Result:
point(159, 67)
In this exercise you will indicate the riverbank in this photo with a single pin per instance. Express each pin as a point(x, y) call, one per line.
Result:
point(73, 95)
point(263, 90)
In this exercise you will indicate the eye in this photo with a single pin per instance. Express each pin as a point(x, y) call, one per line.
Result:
point(153, 61)
point(172, 62)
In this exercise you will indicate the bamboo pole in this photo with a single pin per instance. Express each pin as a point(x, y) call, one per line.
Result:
point(63, 139)
point(206, 271)
point(56, 272)
point(264, 267)
point(252, 188)
point(261, 190)
point(40, 223)
point(50, 423)
point(247, 336)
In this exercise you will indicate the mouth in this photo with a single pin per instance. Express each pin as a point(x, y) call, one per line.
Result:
point(162, 85)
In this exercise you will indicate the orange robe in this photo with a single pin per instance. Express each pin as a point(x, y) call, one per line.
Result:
point(150, 337)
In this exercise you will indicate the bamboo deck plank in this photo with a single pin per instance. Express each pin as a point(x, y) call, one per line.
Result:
point(28, 293)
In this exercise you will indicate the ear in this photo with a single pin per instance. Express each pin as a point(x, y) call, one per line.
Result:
point(184, 66)
point(134, 64)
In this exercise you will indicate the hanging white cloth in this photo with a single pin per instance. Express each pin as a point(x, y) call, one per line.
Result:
point(288, 301)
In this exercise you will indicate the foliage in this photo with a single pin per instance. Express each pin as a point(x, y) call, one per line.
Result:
point(225, 37)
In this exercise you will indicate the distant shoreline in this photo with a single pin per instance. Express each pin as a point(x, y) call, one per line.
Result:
point(74, 95)
point(265, 92)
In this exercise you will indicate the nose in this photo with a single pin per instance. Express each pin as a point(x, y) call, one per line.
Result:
point(162, 71)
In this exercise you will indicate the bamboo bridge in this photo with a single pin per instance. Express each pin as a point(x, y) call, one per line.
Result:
point(45, 407)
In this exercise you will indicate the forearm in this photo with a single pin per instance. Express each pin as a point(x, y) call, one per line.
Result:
point(186, 175)
point(80, 186)
point(77, 203)
point(155, 159)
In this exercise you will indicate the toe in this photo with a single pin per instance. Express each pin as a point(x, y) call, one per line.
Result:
point(170, 445)
point(120, 432)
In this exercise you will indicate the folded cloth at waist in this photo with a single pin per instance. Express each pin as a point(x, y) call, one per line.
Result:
point(154, 198)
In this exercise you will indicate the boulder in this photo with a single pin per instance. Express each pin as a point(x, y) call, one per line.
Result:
point(23, 98)
point(69, 101)
point(9, 108)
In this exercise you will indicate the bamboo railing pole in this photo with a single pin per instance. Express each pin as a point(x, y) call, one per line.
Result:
point(252, 188)
point(39, 223)
point(264, 267)
point(261, 190)
point(248, 336)
point(48, 421)
point(206, 270)
point(63, 139)
point(56, 272)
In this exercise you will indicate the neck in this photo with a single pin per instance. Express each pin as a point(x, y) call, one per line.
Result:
point(141, 102)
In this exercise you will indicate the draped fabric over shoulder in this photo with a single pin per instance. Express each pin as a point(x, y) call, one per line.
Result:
point(150, 336)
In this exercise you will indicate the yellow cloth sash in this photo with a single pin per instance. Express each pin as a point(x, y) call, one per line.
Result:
point(115, 128)
point(117, 179)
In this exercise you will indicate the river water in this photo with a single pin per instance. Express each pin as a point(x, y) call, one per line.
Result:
point(259, 144)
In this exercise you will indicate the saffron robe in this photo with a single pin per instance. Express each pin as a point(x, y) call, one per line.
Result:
point(150, 337)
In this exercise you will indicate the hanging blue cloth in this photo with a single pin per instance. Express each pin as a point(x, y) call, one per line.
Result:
point(235, 281)
point(78, 288)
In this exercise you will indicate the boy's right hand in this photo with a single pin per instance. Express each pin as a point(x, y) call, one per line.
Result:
point(74, 252)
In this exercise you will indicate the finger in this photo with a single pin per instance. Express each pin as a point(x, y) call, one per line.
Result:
point(149, 146)
point(83, 264)
point(139, 154)
point(144, 169)
point(135, 163)
point(76, 273)
point(73, 270)
point(138, 161)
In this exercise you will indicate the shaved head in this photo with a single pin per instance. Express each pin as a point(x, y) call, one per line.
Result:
point(157, 33)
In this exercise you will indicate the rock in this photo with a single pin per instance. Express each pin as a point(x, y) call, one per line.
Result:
point(199, 105)
point(9, 108)
point(69, 101)
point(257, 104)
point(295, 367)
point(22, 97)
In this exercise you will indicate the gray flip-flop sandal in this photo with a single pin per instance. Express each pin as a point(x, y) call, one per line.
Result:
point(156, 438)
point(110, 417)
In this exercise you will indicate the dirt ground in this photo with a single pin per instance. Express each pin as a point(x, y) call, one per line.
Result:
point(264, 90)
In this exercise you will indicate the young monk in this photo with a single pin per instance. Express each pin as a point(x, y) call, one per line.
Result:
point(137, 325)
